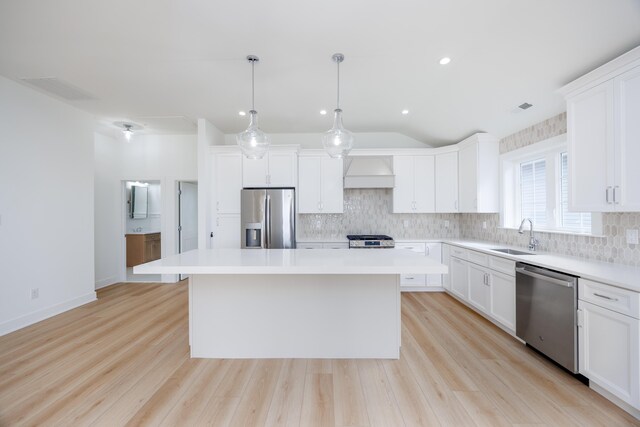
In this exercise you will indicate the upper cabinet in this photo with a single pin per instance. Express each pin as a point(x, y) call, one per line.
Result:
point(276, 169)
point(447, 182)
point(414, 190)
point(226, 171)
point(478, 174)
point(320, 188)
point(603, 131)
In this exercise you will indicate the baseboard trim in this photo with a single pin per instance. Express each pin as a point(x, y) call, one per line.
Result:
point(37, 316)
point(106, 282)
point(614, 399)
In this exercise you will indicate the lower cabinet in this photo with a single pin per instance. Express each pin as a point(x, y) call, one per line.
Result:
point(226, 232)
point(609, 345)
point(418, 282)
point(487, 283)
point(143, 248)
point(446, 260)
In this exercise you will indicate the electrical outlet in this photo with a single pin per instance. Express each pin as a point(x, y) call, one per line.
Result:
point(35, 293)
point(484, 225)
point(446, 223)
point(632, 237)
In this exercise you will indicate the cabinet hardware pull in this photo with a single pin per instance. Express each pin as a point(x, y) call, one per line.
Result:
point(427, 250)
point(217, 206)
point(607, 194)
point(605, 297)
point(615, 195)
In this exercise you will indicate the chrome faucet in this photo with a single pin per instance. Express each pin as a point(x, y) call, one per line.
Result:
point(533, 242)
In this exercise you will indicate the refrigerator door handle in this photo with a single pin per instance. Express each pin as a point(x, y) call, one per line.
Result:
point(267, 223)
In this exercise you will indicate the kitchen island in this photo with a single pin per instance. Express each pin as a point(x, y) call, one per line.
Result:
point(294, 303)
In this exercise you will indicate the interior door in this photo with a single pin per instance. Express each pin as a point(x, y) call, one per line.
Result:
point(187, 217)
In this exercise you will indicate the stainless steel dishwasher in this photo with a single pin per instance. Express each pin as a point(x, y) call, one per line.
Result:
point(546, 304)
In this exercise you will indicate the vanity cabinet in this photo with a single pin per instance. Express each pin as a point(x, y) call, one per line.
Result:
point(602, 133)
point(609, 339)
point(478, 174)
point(414, 190)
point(276, 169)
point(320, 187)
point(142, 248)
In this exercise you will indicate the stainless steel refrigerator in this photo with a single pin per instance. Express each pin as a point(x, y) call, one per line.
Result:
point(268, 218)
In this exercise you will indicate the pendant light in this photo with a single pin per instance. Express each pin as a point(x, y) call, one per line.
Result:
point(253, 142)
point(337, 141)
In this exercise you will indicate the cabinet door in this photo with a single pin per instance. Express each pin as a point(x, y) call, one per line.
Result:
point(434, 251)
point(309, 184)
point(424, 186)
point(412, 280)
point(627, 197)
point(255, 171)
point(332, 189)
point(282, 169)
point(226, 234)
point(479, 290)
point(590, 134)
point(608, 351)
point(227, 182)
point(403, 197)
point(447, 182)
point(460, 278)
point(503, 299)
point(446, 260)
point(467, 179)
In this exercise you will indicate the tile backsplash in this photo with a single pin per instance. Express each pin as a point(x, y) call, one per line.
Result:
point(369, 211)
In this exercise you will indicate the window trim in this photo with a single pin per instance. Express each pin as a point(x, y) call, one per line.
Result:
point(510, 186)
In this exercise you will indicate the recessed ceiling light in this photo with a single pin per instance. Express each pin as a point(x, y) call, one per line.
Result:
point(405, 112)
point(242, 113)
point(445, 60)
point(525, 106)
point(323, 112)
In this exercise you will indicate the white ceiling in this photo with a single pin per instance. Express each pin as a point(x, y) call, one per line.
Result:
point(185, 59)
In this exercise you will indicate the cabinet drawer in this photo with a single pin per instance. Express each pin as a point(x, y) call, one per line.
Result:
point(502, 265)
point(414, 247)
point(478, 258)
point(408, 280)
point(303, 245)
point(153, 236)
point(458, 252)
point(616, 299)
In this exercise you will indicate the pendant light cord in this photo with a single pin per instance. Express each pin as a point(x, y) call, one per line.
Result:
point(338, 94)
point(253, 83)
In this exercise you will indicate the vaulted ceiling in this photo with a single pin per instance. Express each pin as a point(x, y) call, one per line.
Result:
point(167, 63)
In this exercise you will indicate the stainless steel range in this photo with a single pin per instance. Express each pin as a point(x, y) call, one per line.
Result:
point(370, 241)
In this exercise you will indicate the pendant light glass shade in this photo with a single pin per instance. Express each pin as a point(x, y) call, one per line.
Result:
point(253, 142)
point(338, 141)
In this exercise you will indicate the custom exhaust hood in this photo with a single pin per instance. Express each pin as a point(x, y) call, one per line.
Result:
point(369, 172)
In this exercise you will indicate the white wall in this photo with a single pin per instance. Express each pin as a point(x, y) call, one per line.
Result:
point(163, 158)
point(46, 206)
point(208, 135)
point(362, 140)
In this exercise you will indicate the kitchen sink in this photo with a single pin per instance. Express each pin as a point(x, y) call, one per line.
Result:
point(511, 251)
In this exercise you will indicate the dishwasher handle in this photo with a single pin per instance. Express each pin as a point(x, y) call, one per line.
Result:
point(565, 283)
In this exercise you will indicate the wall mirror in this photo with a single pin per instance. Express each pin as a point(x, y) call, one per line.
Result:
point(139, 201)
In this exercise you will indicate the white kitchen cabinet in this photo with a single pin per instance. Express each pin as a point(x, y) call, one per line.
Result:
point(446, 190)
point(414, 190)
point(226, 176)
point(478, 174)
point(434, 251)
point(226, 232)
point(479, 290)
point(276, 169)
point(446, 260)
point(412, 280)
point(320, 188)
point(460, 278)
point(335, 245)
point(609, 344)
point(603, 132)
point(503, 297)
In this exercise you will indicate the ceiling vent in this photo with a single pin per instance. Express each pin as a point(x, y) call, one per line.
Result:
point(525, 106)
point(58, 88)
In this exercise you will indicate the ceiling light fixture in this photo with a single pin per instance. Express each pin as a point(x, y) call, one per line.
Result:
point(337, 141)
point(445, 60)
point(405, 112)
point(128, 129)
point(253, 142)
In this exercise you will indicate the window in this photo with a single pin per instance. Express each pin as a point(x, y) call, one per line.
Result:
point(535, 185)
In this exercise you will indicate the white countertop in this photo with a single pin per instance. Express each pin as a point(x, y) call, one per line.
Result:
point(622, 276)
point(294, 261)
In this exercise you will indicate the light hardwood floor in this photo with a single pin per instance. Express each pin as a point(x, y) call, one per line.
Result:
point(124, 359)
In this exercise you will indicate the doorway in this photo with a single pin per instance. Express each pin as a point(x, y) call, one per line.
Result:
point(142, 225)
point(187, 217)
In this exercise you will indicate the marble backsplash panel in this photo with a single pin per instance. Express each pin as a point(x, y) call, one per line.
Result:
point(368, 211)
